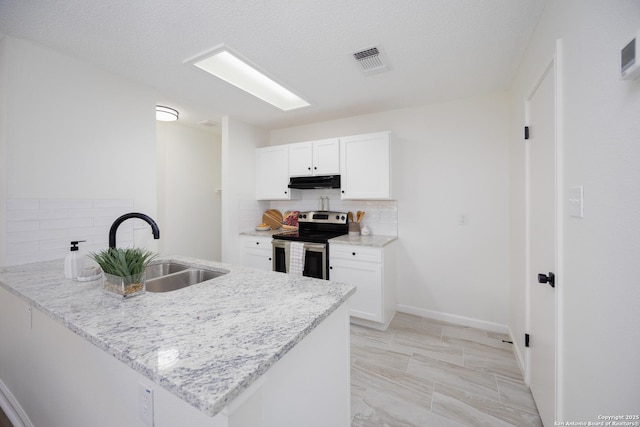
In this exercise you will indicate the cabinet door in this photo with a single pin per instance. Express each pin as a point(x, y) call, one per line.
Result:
point(258, 260)
point(326, 157)
point(256, 253)
point(366, 303)
point(301, 159)
point(365, 166)
point(272, 173)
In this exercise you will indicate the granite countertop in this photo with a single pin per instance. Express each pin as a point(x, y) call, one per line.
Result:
point(205, 343)
point(256, 233)
point(359, 240)
point(371, 240)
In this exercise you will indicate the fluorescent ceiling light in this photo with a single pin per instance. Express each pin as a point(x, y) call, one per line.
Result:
point(233, 70)
point(166, 114)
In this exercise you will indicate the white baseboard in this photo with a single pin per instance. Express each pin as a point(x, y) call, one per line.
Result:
point(12, 408)
point(454, 318)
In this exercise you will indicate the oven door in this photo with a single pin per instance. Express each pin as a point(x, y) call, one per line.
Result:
point(315, 258)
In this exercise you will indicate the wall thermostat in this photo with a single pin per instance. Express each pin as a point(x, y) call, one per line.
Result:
point(630, 60)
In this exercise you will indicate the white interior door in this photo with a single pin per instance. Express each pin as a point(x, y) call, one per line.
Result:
point(542, 184)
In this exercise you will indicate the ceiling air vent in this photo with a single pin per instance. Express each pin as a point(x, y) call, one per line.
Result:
point(370, 60)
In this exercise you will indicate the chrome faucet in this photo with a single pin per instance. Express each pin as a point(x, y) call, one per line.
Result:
point(117, 222)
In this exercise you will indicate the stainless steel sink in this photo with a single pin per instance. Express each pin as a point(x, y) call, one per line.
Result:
point(157, 270)
point(165, 277)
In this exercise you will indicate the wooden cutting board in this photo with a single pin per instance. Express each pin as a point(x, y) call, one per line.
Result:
point(273, 218)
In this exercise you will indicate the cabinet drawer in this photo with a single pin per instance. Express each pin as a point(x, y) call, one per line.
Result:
point(261, 243)
point(356, 253)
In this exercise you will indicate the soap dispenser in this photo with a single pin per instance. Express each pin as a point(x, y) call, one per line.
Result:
point(73, 262)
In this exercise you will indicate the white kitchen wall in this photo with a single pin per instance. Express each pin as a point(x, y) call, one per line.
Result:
point(449, 163)
point(598, 286)
point(189, 190)
point(74, 132)
point(239, 205)
point(3, 145)
point(42, 229)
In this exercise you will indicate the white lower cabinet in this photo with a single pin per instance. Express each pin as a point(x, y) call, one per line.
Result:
point(257, 252)
point(371, 270)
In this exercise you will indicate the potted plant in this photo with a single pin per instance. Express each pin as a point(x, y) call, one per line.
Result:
point(123, 269)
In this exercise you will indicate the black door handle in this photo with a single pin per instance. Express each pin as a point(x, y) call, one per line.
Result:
point(550, 279)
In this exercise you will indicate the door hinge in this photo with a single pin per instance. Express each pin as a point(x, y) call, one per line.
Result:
point(526, 340)
point(526, 132)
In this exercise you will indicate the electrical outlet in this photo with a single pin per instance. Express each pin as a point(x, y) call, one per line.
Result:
point(145, 404)
point(463, 219)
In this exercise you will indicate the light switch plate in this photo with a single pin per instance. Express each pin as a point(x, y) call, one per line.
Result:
point(576, 202)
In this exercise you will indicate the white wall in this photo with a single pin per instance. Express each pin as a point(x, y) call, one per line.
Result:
point(240, 209)
point(73, 131)
point(598, 289)
point(4, 64)
point(188, 204)
point(448, 160)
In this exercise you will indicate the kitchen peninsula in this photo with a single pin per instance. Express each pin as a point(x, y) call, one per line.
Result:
point(249, 348)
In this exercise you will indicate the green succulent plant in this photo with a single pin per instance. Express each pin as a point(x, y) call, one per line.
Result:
point(127, 262)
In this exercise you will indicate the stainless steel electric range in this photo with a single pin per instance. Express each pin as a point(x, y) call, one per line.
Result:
point(314, 230)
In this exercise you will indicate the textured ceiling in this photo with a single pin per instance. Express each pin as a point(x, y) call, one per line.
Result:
point(436, 49)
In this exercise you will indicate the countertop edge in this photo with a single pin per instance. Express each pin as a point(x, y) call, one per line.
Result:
point(375, 241)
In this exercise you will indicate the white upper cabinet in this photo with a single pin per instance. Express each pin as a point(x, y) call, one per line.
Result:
point(272, 174)
point(326, 157)
point(365, 166)
point(301, 159)
point(315, 158)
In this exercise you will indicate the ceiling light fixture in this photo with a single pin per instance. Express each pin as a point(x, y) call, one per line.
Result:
point(228, 66)
point(166, 114)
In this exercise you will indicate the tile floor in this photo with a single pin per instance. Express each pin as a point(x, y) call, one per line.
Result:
point(422, 372)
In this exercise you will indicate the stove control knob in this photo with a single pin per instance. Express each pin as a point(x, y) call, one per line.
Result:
point(337, 216)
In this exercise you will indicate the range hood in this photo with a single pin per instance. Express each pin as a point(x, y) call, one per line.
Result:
point(313, 182)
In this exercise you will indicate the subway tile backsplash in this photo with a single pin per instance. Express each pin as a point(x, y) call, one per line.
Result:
point(41, 229)
point(381, 216)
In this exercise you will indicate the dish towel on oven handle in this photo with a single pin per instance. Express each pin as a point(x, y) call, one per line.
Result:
point(296, 258)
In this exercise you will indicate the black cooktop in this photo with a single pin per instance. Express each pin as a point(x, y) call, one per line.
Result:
point(313, 237)
point(317, 227)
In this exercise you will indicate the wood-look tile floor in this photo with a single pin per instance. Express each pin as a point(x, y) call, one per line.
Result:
point(422, 372)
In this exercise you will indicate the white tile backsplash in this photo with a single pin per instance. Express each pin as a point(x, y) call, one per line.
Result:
point(23, 204)
point(42, 229)
point(381, 216)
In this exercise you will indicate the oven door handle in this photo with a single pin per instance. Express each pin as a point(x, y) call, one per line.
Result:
point(314, 247)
